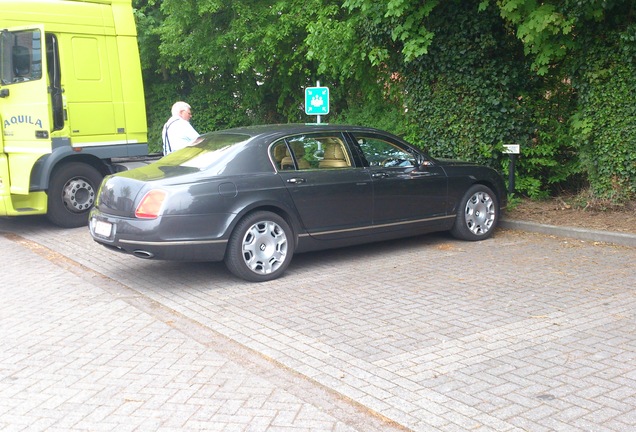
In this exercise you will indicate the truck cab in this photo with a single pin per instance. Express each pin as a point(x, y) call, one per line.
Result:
point(71, 103)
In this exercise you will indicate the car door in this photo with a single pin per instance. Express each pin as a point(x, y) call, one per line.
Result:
point(407, 189)
point(332, 195)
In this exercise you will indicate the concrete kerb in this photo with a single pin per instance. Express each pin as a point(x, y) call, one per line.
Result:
point(622, 239)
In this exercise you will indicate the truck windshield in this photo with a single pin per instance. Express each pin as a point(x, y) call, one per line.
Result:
point(20, 56)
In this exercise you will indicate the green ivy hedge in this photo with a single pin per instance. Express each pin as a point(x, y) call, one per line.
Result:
point(604, 125)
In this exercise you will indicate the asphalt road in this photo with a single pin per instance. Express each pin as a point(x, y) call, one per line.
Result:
point(522, 332)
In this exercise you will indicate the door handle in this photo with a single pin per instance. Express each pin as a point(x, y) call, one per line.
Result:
point(296, 180)
point(380, 174)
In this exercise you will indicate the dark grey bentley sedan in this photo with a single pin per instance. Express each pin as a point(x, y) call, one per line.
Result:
point(254, 196)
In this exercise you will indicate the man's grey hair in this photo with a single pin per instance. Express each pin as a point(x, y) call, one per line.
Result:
point(178, 107)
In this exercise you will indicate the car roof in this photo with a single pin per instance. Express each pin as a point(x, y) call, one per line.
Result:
point(274, 131)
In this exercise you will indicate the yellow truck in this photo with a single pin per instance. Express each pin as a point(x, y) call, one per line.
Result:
point(71, 104)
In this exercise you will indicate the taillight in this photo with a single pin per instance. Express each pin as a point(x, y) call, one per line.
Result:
point(150, 205)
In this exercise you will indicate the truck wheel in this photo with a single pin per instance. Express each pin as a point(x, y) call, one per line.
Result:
point(71, 195)
point(477, 214)
point(260, 247)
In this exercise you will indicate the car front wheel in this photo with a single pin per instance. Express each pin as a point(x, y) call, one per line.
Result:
point(260, 247)
point(477, 214)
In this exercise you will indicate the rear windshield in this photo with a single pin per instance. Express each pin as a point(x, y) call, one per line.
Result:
point(206, 151)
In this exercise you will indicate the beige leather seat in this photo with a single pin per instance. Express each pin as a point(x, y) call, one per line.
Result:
point(279, 154)
point(288, 163)
point(334, 156)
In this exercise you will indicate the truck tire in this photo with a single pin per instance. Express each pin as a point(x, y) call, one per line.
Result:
point(71, 195)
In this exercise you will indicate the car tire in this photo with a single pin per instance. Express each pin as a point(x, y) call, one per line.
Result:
point(260, 247)
point(477, 214)
point(72, 193)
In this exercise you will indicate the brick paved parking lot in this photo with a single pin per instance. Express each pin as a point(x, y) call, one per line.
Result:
point(523, 332)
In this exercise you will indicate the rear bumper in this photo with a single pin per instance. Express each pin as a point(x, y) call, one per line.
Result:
point(142, 238)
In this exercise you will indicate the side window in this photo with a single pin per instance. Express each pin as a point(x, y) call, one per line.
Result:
point(21, 56)
point(311, 152)
point(305, 153)
point(283, 158)
point(334, 153)
point(382, 153)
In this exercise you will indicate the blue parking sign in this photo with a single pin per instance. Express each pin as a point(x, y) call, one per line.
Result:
point(316, 100)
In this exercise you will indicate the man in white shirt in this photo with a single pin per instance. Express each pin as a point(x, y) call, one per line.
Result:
point(178, 132)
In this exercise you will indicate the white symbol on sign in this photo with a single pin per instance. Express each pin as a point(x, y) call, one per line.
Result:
point(317, 101)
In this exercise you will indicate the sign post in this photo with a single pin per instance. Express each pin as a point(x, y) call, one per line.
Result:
point(317, 100)
point(513, 150)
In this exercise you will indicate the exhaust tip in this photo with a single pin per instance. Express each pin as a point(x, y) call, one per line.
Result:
point(143, 254)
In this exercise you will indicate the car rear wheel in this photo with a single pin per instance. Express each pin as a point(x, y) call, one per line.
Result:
point(260, 248)
point(477, 214)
